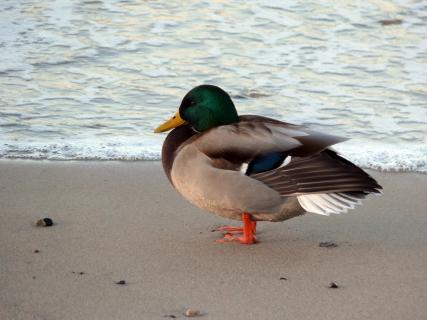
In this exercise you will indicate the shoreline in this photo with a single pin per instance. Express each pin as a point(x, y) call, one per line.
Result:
point(124, 161)
point(121, 220)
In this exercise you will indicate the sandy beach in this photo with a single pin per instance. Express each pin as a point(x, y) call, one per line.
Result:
point(123, 221)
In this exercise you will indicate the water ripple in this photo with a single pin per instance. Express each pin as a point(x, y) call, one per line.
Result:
point(91, 78)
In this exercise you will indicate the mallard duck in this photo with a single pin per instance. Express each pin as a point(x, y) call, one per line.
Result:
point(254, 168)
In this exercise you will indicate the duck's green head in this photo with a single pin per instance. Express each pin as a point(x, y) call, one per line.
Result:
point(203, 107)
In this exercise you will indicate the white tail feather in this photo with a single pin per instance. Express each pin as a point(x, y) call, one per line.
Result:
point(326, 203)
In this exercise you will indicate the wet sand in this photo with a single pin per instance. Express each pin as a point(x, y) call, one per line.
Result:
point(123, 221)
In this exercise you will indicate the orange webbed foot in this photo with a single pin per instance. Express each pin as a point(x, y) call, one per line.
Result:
point(228, 237)
point(230, 229)
point(248, 230)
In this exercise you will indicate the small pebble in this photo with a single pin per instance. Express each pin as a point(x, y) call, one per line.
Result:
point(170, 316)
point(36, 251)
point(45, 222)
point(192, 313)
point(121, 282)
point(328, 244)
point(33, 277)
point(283, 278)
point(333, 285)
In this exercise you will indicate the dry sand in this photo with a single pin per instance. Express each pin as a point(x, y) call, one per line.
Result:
point(123, 221)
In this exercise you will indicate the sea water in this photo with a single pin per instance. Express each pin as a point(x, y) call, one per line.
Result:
point(90, 79)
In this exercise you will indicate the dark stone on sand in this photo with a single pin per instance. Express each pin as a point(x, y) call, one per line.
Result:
point(333, 285)
point(44, 222)
point(121, 282)
point(328, 244)
point(283, 278)
point(36, 251)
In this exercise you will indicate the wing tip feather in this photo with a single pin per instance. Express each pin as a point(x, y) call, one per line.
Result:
point(335, 203)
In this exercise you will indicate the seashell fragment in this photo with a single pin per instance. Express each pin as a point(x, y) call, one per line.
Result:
point(192, 313)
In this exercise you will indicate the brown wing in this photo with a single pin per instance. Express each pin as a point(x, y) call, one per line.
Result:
point(255, 135)
point(325, 172)
point(310, 143)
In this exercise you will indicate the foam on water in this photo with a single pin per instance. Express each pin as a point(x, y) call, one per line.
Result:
point(91, 79)
point(385, 157)
point(82, 150)
point(374, 156)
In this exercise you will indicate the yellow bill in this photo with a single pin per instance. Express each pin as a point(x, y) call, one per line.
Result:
point(173, 122)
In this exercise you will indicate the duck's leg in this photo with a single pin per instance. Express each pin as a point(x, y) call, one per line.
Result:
point(248, 230)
